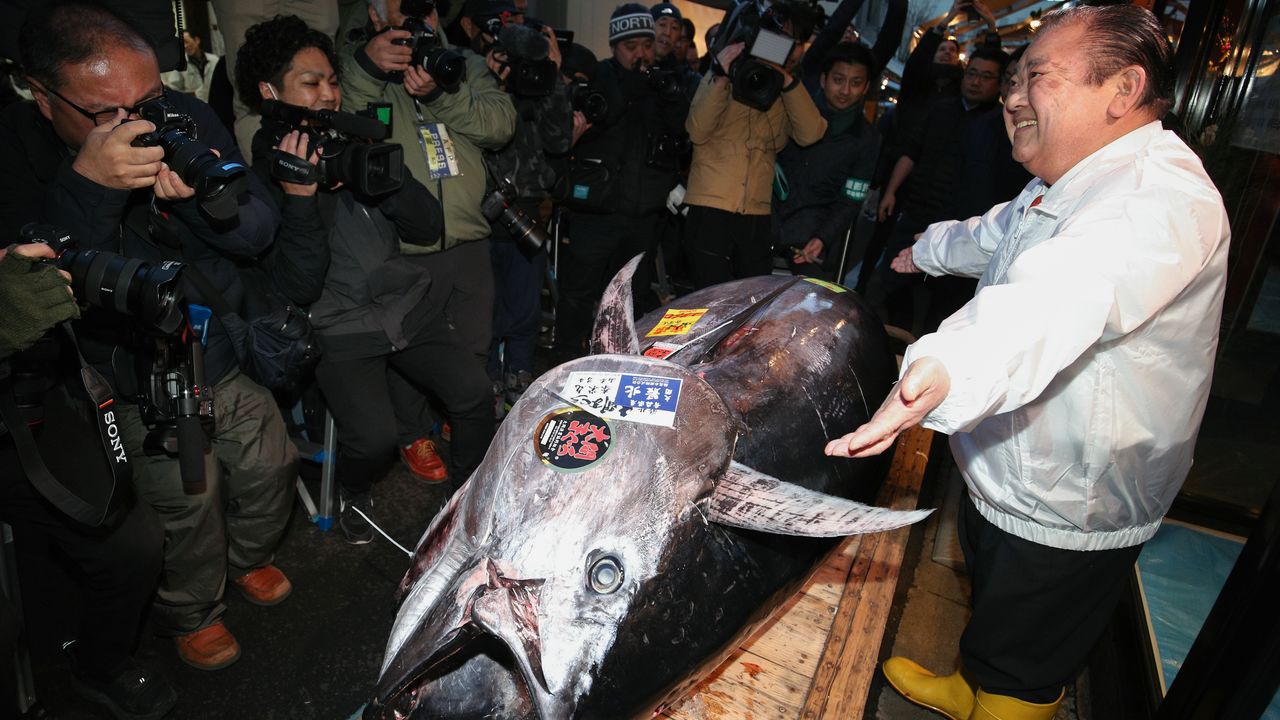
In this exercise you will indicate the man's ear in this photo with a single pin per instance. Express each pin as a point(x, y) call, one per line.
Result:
point(377, 21)
point(468, 27)
point(41, 97)
point(1130, 84)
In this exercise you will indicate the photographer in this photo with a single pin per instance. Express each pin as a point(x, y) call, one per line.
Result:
point(444, 128)
point(529, 65)
point(116, 561)
point(624, 166)
point(76, 162)
point(727, 231)
point(370, 308)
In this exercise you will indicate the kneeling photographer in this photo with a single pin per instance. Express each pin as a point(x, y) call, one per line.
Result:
point(371, 308)
point(522, 176)
point(750, 101)
point(623, 167)
point(61, 487)
point(123, 165)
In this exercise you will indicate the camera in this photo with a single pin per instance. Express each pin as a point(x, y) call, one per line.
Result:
point(756, 83)
point(346, 146)
point(127, 286)
point(666, 83)
point(497, 207)
point(174, 397)
point(218, 183)
point(593, 104)
point(532, 74)
point(446, 67)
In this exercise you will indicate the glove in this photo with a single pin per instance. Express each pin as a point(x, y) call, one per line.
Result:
point(33, 298)
point(675, 201)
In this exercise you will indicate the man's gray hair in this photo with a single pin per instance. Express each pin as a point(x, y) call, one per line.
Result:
point(1118, 36)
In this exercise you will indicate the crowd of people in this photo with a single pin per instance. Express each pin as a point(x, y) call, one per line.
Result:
point(426, 298)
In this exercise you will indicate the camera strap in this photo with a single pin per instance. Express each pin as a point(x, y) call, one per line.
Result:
point(77, 508)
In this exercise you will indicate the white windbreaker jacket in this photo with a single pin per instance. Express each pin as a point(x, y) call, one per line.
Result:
point(1081, 368)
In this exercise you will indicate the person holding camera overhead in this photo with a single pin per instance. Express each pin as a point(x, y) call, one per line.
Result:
point(371, 307)
point(524, 171)
point(115, 554)
point(624, 166)
point(79, 160)
point(447, 108)
point(749, 101)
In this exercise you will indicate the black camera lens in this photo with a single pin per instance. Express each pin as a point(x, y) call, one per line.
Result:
point(128, 286)
point(446, 67)
point(218, 183)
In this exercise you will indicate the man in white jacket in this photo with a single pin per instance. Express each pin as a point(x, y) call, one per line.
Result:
point(1074, 382)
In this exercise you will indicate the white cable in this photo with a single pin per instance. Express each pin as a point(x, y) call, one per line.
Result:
point(390, 539)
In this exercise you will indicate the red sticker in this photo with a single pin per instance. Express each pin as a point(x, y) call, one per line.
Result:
point(572, 439)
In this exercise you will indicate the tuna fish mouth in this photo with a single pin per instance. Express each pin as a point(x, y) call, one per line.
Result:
point(450, 661)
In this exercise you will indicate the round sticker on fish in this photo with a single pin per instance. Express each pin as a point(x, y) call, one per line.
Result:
point(572, 439)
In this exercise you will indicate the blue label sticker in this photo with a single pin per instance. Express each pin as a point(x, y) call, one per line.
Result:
point(199, 315)
point(580, 192)
point(648, 392)
point(648, 399)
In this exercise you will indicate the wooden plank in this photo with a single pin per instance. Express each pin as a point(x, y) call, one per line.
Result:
point(745, 687)
point(843, 675)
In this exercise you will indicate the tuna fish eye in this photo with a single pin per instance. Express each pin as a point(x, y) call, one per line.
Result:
point(605, 575)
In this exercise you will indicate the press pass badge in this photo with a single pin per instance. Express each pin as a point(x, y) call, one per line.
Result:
point(437, 146)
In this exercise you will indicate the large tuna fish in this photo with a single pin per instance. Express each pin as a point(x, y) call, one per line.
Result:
point(637, 513)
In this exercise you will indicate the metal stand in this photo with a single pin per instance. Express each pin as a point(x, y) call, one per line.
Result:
point(28, 705)
point(322, 516)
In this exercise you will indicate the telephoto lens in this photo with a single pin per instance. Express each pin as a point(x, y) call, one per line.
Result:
point(218, 183)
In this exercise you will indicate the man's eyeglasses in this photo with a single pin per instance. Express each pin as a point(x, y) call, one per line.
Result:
point(986, 76)
point(104, 116)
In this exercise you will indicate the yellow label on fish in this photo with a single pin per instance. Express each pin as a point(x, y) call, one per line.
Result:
point(677, 322)
point(828, 285)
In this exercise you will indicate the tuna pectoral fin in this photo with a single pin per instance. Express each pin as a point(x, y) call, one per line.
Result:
point(752, 500)
point(615, 330)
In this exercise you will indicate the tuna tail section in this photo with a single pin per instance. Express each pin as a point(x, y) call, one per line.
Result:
point(615, 329)
point(749, 499)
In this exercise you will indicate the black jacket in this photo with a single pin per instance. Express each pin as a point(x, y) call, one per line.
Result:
point(940, 149)
point(626, 139)
point(826, 182)
point(365, 299)
point(41, 186)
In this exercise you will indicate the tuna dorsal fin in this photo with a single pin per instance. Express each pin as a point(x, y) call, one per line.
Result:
point(615, 330)
point(749, 499)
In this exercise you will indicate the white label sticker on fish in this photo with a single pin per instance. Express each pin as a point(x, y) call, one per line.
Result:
point(649, 399)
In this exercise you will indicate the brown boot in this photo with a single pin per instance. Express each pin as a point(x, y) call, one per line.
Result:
point(951, 695)
point(211, 648)
point(988, 706)
point(264, 586)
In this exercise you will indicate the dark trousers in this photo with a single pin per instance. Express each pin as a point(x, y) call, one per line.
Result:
point(599, 245)
point(914, 301)
point(1037, 610)
point(360, 394)
point(723, 246)
point(116, 566)
point(517, 307)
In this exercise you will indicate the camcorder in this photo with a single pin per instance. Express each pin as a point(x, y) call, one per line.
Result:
point(348, 148)
point(666, 83)
point(756, 83)
point(533, 74)
point(218, 183)
point(446, 67)
point(497, 207)
point(174, 398)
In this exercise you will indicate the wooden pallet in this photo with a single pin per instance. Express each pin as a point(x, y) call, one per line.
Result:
point(815, 656)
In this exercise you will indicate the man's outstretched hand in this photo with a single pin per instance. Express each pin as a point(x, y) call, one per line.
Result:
point(922, 389)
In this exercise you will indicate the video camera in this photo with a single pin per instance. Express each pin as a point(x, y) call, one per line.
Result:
point(348, 149)
point(175, 401)
point(666, 83)
point(446, 67)
point(218, 183)
point(756, 83)
point(533, 73)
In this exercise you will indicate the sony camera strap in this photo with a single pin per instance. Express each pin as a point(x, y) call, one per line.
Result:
point(77, 508)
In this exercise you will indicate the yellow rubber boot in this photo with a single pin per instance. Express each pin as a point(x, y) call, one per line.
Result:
point(987, 706)
point(950, 695)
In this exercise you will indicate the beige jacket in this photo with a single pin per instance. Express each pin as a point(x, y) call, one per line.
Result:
point(734, 146)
